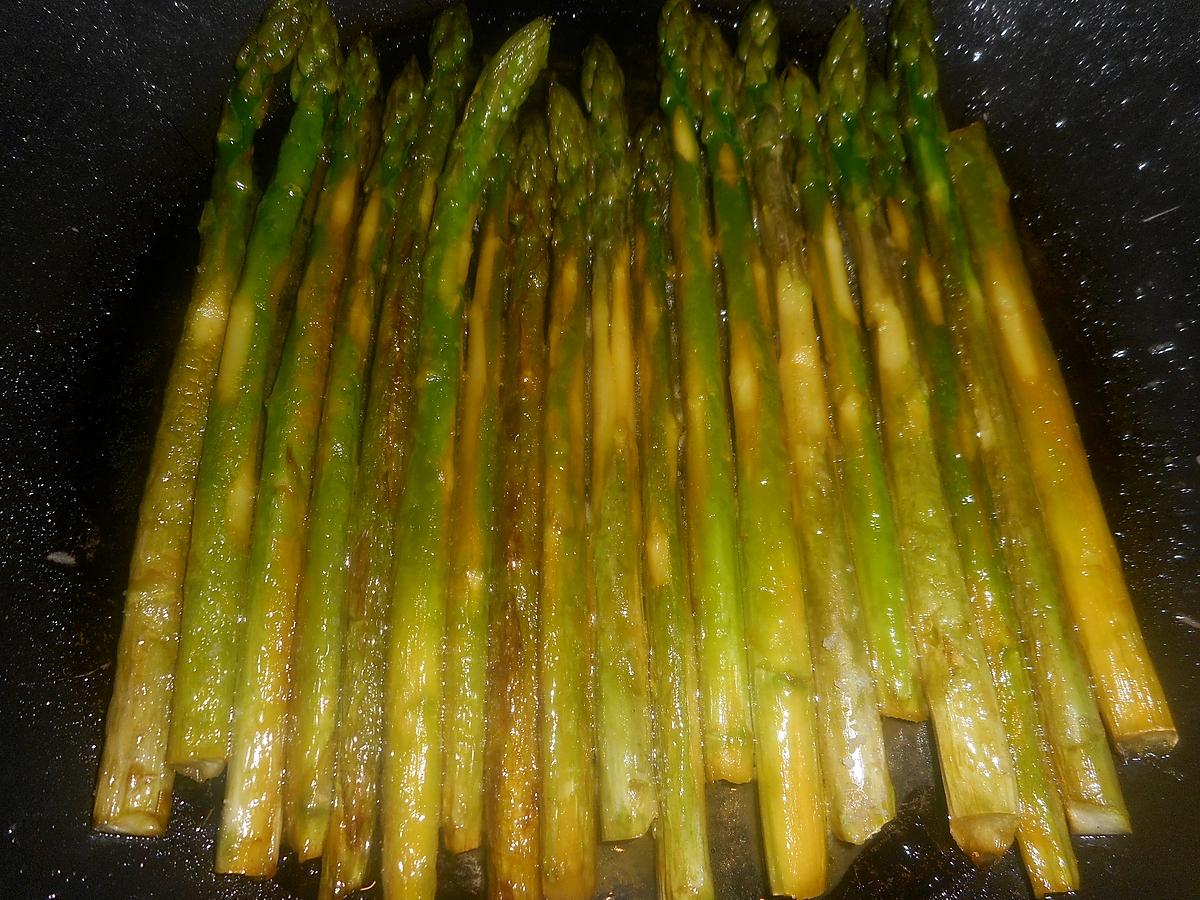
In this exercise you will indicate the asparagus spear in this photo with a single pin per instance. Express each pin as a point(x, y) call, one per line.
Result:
point(386, 445)
point(860, 793)
point(868, 504)
point(133, 790)
point(511, 765)
point(1131, 697)
point(681, 833)
point(210, 633)
point(1074, 728)
point(710, 499)
point(473, 534)
point(568, 782)
point(791, 796)
point(251, 817)
point(320, 604)
point(1041, 827)
point(977, 767)
point(412, 767)
point(623, 722)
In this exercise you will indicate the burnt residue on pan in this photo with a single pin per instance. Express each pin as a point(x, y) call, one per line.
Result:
point(1094, 106)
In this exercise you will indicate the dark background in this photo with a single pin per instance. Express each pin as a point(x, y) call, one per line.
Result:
point(108, 114)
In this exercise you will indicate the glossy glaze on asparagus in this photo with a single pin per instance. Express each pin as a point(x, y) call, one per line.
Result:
point(321, 608)
point(681, 832)
point(252, 814)
point(567, 737)
point(859, 794)
point(511, 763)
point(624, 730)
point(710, 497)
point(133, 789)
point(383, 461)
point(1131, 697)
point(473, 573)
point(1073, 724)
point(865, 492)
point(412, 765)
point(227, 480)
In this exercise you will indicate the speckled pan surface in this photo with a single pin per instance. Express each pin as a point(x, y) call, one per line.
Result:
point(108, 114)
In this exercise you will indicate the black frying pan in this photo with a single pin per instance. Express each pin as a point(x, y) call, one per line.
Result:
point(109, 110)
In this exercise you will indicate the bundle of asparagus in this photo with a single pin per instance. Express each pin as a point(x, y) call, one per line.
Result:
point(748, 435)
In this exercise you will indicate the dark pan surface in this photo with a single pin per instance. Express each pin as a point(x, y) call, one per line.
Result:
point(109, 110)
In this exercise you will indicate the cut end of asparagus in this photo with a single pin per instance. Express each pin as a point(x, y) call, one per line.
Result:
point(1152, 740)
point(135, 823)
point(1092, 818)
point(201, 769)
point(985, 837)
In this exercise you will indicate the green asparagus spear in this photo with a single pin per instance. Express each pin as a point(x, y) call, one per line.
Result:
point(790, 792)
point(568, 782)
point(710, 498)
point(321, 602)
point(1041, 826)
point(1131, 697)
point(1074, 728)
point(133, 790)
point(868, 503)
point(412, 766)
point(384, 459)
point(511, 765)
point(472, 581)
point(681, 833)
point(227, 480)
point(977, 766)
point(251, 817)
point(860, 794)
point(623, 721)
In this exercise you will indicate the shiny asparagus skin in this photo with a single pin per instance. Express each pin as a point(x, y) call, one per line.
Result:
point(624, 729)
point(681, 831)
point(227, 480)
point(511, 768)
point(252, 815)
point(133, 789)
point(472, 582)
point(710, 498)
point(321, 601)
point(1073, 725)
point(384, 458)
point(1131, 698)
point(977, 766)
point(412, 765)
point(860, 796)
point(567, 739)
point(869, 507)
point(1042, 827)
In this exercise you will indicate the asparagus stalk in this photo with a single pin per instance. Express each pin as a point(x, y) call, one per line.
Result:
point(568, 782)
point(1041, 827)
point(869, 507)
point(133, 790)
point(1131, 697)
point(227, 479)
point(251, 817)
point(710, 498)
point(472, 580)
point(681, 833)
point(412, 766)
point(790, 792)
point(977, 767)
point(320, 604)
point(385, 453)
point(511, 766)
point(1074, 728)
point(853, 755)
point(623, 720)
